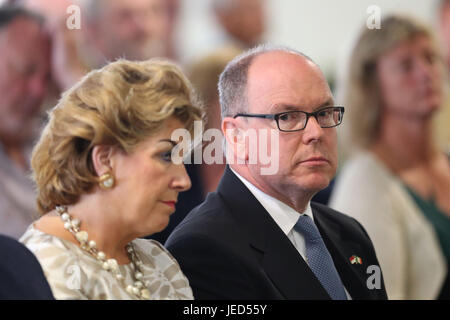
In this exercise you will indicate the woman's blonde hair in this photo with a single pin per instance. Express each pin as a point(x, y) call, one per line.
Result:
point(120, 105)
point(361, 94)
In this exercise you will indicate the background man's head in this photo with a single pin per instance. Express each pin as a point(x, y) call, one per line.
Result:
point(204, 74)
point(136, 30)
point(273, 80)
point(243, 20)
point(24, 72)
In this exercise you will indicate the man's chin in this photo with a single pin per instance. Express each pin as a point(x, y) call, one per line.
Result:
point(158, 227)
point(146, 51)
point(316, 183)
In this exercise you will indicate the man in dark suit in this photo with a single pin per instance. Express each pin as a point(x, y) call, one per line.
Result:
point(21, 275)
point(259, 236)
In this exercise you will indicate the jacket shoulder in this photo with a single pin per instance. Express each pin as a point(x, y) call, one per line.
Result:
point(350, 225)
point(210, 218)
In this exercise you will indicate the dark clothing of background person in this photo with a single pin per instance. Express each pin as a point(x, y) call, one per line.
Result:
point(21, 275)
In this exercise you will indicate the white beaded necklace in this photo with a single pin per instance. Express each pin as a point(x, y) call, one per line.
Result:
point(73, 226)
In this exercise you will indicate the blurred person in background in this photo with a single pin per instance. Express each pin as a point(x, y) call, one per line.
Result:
point(24, 76)
point(109, 30)
point(441, 121)
point(135, 30)
point(443, 14)
point(398, 181)
point(66, 66)
point(173, 7)
point(243, 21)
point(204, 74)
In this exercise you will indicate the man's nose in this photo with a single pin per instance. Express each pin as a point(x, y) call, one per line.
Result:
point(140, 23)
point(312, 132)
point(37, 86)
point(425, 70)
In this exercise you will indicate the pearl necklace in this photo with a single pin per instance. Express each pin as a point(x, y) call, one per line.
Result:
point(73, 225)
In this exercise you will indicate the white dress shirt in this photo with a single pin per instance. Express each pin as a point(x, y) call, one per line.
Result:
point(283, 215)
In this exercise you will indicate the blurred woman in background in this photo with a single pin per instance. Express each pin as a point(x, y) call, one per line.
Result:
point(104, 178)
point(397, 183)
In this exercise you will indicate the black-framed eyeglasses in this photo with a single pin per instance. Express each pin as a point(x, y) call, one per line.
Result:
point(290, 121)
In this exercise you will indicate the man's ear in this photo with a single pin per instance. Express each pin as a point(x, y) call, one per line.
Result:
point(235, 138)
point(102, 158)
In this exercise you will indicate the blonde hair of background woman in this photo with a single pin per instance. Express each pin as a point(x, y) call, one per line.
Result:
point(360, 93)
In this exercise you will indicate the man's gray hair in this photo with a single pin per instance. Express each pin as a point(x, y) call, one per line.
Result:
point(233, 79)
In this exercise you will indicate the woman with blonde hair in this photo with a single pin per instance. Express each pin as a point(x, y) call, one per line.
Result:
point(105, 177)
point(398, 182)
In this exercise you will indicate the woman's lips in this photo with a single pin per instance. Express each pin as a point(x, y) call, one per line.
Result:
point(170, 203)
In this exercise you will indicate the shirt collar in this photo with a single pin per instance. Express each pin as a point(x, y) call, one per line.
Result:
point(284, 216)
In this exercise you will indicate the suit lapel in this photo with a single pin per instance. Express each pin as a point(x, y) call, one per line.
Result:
point(341, 249)
point(280, 260)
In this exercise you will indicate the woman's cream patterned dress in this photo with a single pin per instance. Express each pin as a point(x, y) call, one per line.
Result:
point(74, 274)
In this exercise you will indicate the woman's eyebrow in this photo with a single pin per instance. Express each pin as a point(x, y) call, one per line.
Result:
point(170, 141)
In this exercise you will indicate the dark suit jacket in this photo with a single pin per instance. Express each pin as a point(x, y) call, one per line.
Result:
point(21, 275)
point(229, 247)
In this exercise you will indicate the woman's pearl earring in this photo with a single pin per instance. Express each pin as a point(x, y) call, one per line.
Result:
point(106, 181)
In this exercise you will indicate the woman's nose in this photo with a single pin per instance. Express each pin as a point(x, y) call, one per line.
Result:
point(181, 182)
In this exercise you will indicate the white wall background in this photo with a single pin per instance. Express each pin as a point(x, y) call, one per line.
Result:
point(322, 29)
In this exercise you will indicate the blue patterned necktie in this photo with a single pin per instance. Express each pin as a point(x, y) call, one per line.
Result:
point(319, 259)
